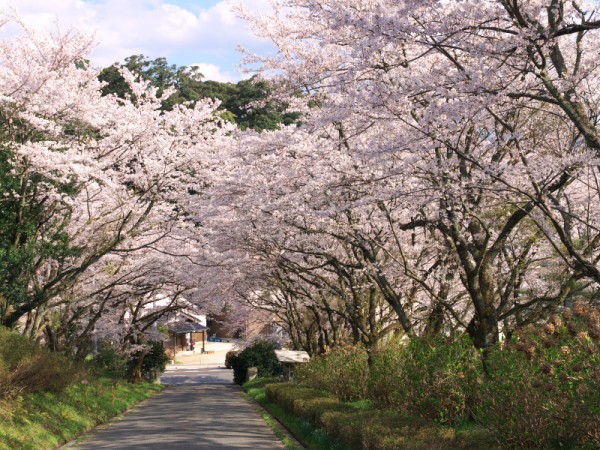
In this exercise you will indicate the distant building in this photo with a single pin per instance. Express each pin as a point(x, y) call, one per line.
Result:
point(186, 326)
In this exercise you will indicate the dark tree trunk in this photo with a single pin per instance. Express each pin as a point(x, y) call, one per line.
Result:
point(134, 372)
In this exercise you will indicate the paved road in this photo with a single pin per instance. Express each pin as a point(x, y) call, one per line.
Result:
point(197, 374)
point(201, 408)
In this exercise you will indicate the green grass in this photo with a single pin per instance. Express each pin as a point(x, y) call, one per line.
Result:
point(260, 382)
point(258, 394)
point(309, 436)
point(274, 425)
point(48, 420)
point(361, 404)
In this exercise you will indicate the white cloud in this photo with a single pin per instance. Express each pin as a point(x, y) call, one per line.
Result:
point(213, 72)
point(154, 28)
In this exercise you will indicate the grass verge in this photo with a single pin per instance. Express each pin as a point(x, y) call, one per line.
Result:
point(276, 427)
point(48, 420)
point(303, 431)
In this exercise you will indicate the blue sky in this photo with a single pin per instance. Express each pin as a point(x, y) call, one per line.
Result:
point(191, 4)
point(186, 32)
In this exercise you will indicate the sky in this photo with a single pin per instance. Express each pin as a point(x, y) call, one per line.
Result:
point(205, 33)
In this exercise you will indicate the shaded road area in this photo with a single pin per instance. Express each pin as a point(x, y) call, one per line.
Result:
point(179, 375)
point(201, 408)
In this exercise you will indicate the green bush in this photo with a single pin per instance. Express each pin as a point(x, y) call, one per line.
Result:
point(110, 363)
point(286, 394)
point(156, 358)
point(544, 387)
point(431, 378)
point(343, 371)
point(261, 355)
point(381, 430)
point(27, 368)
point(304, 402)
point(229, 356)
point(360, 428)
point(260, 383)
point(302, 429)
point(14, 348)
point(314, 409)
point(541, 388)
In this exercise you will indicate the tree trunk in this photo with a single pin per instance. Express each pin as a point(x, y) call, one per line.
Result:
point(483, 328)
point(135, 374)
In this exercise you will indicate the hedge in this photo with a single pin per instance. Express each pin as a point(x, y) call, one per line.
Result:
point(368, 429)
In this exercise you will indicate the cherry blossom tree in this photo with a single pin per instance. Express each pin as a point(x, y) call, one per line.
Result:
point(477, 120)
point(99, 188)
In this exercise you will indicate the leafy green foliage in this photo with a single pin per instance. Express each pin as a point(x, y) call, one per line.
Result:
point(259, 383)
point(428, 378)
point(544, 387)
point(32, 231)
point(541, 388)
point(343, 371)
point(229, 357)
point(246, 103)
point(25, 367)
point(156, 358)
point(14, 348)
point(252, 110)
point(360, 427)
point(260, 355)
point(431, 378)
point(110, 363)
point(45, 400)
point(301, 428)
point(115, 83)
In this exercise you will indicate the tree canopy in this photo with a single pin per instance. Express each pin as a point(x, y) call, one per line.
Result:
point(443, 179)
point(248, 103)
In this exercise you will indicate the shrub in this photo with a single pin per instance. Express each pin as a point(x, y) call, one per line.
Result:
point(44, 372)
point(27, 368)
point(381, 430)
point(14, 348)
point(360, 428)
point(430, 378)
point(156, 358)
point(285, 394)
point(544, 387)
point(343, 371)
point(110, 363)
point(229, 356)
point(261, 355)
point(305, 402)
point(260, 383)
point(541, 389)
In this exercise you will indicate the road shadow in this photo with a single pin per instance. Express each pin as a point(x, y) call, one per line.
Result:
point(188, 417)
point(201, 408)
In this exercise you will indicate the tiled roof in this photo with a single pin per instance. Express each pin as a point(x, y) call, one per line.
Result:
point(182, 326)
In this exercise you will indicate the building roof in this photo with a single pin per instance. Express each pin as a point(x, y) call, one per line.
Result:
point(182, 326)
point(291, 356)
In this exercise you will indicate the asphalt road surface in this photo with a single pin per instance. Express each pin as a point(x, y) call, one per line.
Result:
point(201, 408)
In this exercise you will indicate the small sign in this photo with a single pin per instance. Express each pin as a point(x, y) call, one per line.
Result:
point(292, 356)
